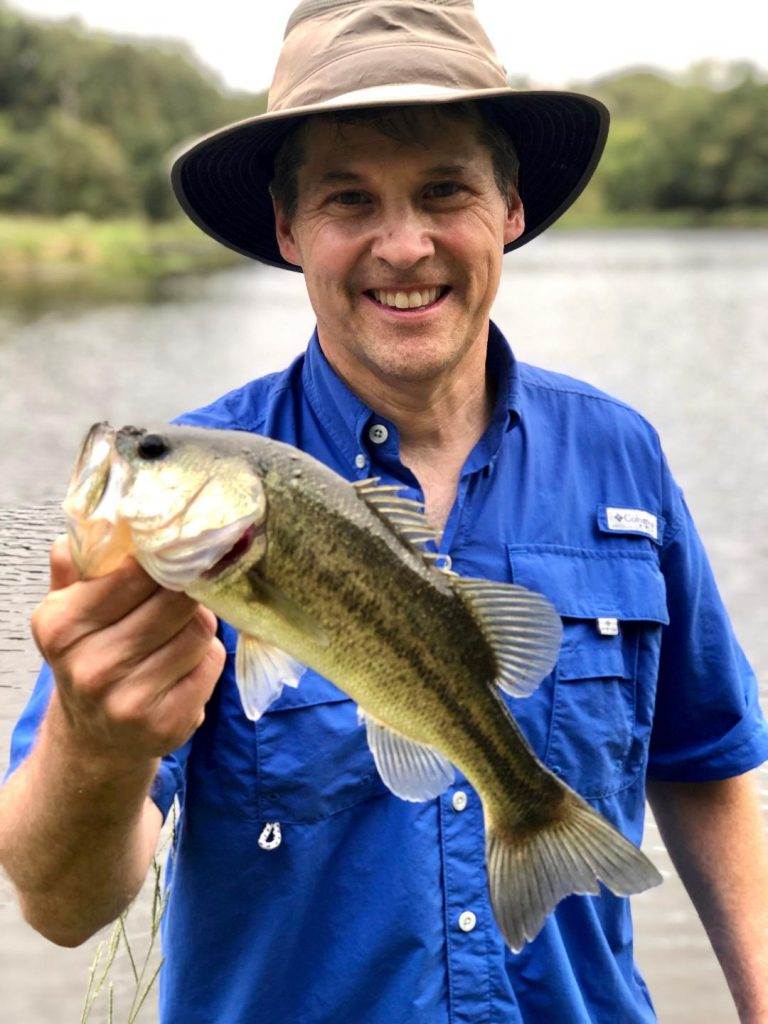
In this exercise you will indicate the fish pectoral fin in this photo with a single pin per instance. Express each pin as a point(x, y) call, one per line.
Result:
point(522, 627)
point(261, 671)
point(413, 771)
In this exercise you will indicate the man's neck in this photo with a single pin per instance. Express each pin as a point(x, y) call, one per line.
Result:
point(439, 421)
point(434, 417)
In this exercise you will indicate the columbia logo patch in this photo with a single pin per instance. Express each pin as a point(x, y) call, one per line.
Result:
point(631, 520)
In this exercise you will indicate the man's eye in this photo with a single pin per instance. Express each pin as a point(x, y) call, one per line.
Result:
point(443, 189)
point(349, 198)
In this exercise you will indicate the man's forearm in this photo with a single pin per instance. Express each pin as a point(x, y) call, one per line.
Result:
point(77, 834)
point(715, 835)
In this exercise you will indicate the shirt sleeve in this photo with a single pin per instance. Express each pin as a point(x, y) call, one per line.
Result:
point(708, 723)
point(168, 781)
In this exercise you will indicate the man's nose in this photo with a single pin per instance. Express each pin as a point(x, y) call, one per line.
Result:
point(403, 237)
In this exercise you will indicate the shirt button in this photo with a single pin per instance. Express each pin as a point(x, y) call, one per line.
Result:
point(378, 433)
point(467, 921)
point(459, 800)
point(360, 461)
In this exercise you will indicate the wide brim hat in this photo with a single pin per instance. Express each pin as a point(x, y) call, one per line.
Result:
point(349, 54)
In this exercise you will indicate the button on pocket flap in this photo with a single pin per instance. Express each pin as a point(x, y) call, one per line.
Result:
point(589, 584)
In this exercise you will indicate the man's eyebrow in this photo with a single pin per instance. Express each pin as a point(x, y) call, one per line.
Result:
point(336, 176)
point(333, 176)
point(447, 169)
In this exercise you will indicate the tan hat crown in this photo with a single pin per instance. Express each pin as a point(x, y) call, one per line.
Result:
point(336, 47)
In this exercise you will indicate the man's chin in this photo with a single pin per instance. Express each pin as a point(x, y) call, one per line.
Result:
point(410, 360)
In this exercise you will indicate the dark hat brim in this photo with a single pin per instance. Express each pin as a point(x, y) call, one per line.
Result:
point(222, 180)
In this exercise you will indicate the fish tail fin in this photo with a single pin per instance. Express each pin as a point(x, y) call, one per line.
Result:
point(528, 874)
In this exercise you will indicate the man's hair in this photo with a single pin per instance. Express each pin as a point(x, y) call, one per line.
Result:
point(403, 124)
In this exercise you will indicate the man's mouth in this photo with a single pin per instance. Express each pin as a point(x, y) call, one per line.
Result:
point(408, 300)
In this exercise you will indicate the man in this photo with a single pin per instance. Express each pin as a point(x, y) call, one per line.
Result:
point(301, 890)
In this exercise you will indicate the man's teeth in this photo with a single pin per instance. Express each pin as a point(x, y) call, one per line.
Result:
point(407, 300)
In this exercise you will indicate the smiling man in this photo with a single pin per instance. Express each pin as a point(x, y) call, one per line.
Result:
point(394, 168)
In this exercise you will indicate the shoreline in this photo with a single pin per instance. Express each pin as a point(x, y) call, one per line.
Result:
point(75, 258)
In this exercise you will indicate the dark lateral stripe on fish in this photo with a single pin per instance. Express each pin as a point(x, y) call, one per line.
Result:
point(501, 760)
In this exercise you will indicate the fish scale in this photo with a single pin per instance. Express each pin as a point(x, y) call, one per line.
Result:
point(334, 576)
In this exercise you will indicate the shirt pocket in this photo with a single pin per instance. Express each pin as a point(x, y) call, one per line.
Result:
point(304, 759)
point(312, 755)
point(603, 686)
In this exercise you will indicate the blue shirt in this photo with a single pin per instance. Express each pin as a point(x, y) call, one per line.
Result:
point(353, 916)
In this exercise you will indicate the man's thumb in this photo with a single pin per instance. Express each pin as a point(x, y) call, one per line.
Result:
point(64, 572)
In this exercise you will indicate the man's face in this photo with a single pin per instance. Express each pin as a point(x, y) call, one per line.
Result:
point(377, 221)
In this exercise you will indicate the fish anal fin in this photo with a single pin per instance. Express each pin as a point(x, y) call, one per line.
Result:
point(413, 771)
point(261, 671)
point(522, 628)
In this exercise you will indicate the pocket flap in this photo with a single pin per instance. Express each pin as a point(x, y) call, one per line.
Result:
point(312, 689)
point(590, 584)
point(586, 654)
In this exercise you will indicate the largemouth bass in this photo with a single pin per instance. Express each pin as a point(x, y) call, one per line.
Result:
point(315, 571)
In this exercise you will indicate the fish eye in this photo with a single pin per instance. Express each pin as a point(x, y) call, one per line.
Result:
point(152, 446)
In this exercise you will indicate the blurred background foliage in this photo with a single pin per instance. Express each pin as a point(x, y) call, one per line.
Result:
point(87, 119)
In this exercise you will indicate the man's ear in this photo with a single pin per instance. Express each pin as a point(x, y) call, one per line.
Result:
point(284, 234)
point(514, 222)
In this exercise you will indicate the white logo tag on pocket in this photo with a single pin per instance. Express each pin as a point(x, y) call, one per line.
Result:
point(623, 519)
point(608, 627)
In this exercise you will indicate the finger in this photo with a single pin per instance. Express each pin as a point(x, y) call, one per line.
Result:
point(145, 629)
point(195, 688)
point(64, 572)
point(169, 663)
point(100, 602)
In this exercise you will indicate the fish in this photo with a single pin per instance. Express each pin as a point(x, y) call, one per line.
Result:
point(313, 570)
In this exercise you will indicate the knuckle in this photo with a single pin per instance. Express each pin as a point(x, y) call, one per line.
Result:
point(51, 628)
point(129, 713)
point(89, 679)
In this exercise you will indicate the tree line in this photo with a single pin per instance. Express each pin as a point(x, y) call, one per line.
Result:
point(87, 120)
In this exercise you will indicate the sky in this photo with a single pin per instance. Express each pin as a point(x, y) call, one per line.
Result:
point(552, 43)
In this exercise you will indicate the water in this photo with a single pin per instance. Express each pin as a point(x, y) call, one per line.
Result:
point(672, 322)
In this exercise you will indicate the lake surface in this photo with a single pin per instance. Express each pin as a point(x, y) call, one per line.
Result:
point(672, 322)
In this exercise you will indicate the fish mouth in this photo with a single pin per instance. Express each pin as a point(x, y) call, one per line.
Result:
point(239, 549)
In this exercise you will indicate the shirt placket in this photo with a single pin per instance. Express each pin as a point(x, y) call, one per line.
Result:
point(470, 926)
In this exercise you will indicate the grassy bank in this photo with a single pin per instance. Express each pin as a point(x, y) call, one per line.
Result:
point(114, 257)
point(586, 216)
point(76, 257)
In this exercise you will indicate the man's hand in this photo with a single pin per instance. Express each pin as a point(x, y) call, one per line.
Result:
point(134, 664)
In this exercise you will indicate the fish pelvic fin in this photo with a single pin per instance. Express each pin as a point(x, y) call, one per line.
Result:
point(522, 627)
point(413, 771)
point(528, 875)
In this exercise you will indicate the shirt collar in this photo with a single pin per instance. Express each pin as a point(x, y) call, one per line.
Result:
point(348, 420)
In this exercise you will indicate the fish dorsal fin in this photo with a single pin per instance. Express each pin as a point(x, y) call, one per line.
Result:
point(413, 771)
point(522, 627)
point(403, 516)
point(261, 671)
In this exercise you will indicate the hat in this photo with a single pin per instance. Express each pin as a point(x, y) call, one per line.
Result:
point(347, 54)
